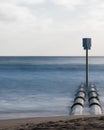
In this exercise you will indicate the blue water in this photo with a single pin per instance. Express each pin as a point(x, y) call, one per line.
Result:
point(44, 86)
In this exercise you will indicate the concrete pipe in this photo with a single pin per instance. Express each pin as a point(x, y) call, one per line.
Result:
point(92, 89)
point(77, 109)
point(80, 100)
point(93, 95)
point(95, 107)
point(81, 94)
point(94, 101)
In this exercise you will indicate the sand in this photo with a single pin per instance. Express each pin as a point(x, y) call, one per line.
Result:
point(83, 122)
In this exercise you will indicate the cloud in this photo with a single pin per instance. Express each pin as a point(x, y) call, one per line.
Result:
point(33, 1)
point(23, 1)
point(13, 15)
point(88, 10)
point(7, 12)
point(45, 26)
point(95, 14)
point(11, 12)
point(69, 4)
point(61, 15)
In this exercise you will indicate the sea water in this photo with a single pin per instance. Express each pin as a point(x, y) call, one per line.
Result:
point(44, 86)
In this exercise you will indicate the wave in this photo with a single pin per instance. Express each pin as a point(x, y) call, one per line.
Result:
point(39, 67)
point(55, 67)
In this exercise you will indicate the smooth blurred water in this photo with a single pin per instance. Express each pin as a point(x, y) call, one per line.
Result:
point(44, 86)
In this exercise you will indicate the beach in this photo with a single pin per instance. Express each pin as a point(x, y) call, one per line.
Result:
point(83, 122)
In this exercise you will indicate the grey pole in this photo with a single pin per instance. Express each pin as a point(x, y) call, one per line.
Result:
point(87, 68)
point(87, 46)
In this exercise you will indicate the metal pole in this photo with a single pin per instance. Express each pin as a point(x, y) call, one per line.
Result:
point(87, 68)
point(87, 46)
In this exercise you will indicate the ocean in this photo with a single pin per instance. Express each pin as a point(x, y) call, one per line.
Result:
point(44, 86)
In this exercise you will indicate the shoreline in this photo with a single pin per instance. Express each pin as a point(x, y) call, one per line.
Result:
point(53, 123)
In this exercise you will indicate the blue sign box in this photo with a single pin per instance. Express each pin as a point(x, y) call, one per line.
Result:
point(87, 43)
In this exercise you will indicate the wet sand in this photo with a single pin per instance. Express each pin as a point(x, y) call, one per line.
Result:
point(55, 123)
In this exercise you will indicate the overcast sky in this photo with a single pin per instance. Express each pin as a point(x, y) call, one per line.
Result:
point(50, 27)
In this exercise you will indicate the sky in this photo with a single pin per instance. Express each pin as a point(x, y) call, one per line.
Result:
point(51, 27)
